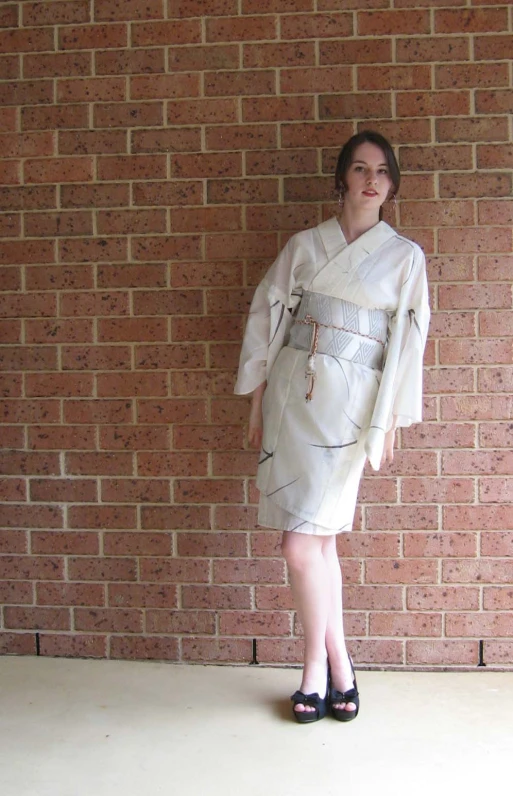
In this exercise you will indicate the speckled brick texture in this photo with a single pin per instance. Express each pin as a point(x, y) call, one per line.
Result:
point(155, 157)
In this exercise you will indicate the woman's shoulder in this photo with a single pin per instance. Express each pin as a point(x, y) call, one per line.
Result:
point(410, 246)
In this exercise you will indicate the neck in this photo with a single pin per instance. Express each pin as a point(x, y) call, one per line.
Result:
point(355, 224)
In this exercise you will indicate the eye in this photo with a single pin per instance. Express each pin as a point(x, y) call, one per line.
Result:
point(383, 171)
point(358, 168)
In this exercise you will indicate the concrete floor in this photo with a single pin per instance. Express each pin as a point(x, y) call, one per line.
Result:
point(109, 728)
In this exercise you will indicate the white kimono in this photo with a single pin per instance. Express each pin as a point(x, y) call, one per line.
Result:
point(355, 317)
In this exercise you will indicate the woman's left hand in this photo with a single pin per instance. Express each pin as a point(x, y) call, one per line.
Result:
point(388, 448)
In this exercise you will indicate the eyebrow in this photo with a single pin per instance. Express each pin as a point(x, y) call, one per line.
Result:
point(366, 164)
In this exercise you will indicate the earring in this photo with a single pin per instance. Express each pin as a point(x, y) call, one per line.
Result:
point(393, 199)
point(341, 197)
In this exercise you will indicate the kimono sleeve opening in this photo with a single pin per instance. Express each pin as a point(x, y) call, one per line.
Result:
point(399, 398)
point(269, 321)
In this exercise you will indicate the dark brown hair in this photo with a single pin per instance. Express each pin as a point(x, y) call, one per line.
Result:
point(346, 155)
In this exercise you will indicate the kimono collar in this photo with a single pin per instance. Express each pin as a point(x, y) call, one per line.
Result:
point(334, 241)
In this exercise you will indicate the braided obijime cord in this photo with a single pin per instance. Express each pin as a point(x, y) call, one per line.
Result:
point(310, 372)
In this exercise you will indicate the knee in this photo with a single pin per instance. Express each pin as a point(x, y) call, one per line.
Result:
point(294, 551)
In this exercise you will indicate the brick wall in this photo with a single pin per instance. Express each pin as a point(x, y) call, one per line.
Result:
point(155, 162)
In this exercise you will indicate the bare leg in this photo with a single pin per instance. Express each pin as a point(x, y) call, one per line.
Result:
point(341, 675)
point(309, 579)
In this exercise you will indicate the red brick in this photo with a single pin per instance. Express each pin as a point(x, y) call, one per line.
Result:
point(125, 222)
point(316, 79)
point(492, 48)
point(13, 541)
point(355, 51)
point(316, 26)
point(173, 247)
point(28, 252)
point(368, 545)
point(31, 463)
point(401, 517)
point(261, 623)
point(476, 20)
point(436, 653)
point(440, 380)
point(479, 571)
point(440, 545)
point(172, 410)
point(12, 489)
point(102, 569)
point(209, 438)
point(48, 225)
point(223, 597)
point(9, 16)
point(179, 570)
point(471, 75)
point(163, 86)
point(477, 517)
point(495, 379)
point(472, 129)
point(57, 65)
point(208, 491)
point(497, 599)
point(17, 643)
point(165, 33)
point(170, 193)
point(102, 517)
point(8, 119)
point(64, 543)
point(473, 296)
point(63, 490)
point(431, 49)
point(37, 618)
point(97, 411)
point(269, 54)
point(27, 145)
point(477, 184)
point(146, 648)
point(92, 249)
point(94, 195)
point(216, 545)
point(476, 462)
point(220, 650)
point(59, 331)
point(314, 135)
point(495, 435)
point(239, 518)
point(405, 624)
point(111, 385)
point(442, 598)
point(437, 435)
point(143, 438)
point(73, 646)
point(475, 351)
point(117, 330)
point(140, 275)
point(23, 358)
point(234, 137)
point(69, 594)
point(492, 212)
point(121, 490)
point(400, 571)
point(13, 41)
point(438, 213)
point(99, 463)
point(131, 10)
point(58, 384)
point(476, 407)
point(202, 383)
point(10, 331)
point(96, 358)
point(31, 568)
point(127, 62)
point(175, 517)
point(172, 302)
point(10, 172)
point(386, 23)
point(99, 89)
point(110, 620)
point(87, 37)
point(128, 114)
point(44, 13)
point(437, 490)
point(180, 622)
point(169, 356)
point(241, 28)
point(439, 103)
point(247, 571)
point(479, 625)
point(238, 83)
point(61, 438)
point(16, 593)
point(199, 59)
point(492, 490)
point(142, 595)
point(23, 516)
point(346, 106)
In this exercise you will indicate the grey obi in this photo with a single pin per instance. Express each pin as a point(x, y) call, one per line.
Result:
point(339, 328)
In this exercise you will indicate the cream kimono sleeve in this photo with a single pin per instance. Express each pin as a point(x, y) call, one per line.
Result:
point(269, 320)
point(400, 392)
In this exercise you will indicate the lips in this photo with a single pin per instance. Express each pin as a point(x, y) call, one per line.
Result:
point(370, 193)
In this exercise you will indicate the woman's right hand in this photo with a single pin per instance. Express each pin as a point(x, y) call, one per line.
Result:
point(256, 423)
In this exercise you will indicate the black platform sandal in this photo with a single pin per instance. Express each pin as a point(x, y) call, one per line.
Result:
point(336, 697)
point(313, 701)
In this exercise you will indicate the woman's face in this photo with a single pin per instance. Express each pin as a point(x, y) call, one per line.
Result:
point(368, 180)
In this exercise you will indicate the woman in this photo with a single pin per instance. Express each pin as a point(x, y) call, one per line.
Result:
point(332, 355)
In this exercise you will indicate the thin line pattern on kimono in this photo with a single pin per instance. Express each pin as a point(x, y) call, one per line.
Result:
point(310, 372)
